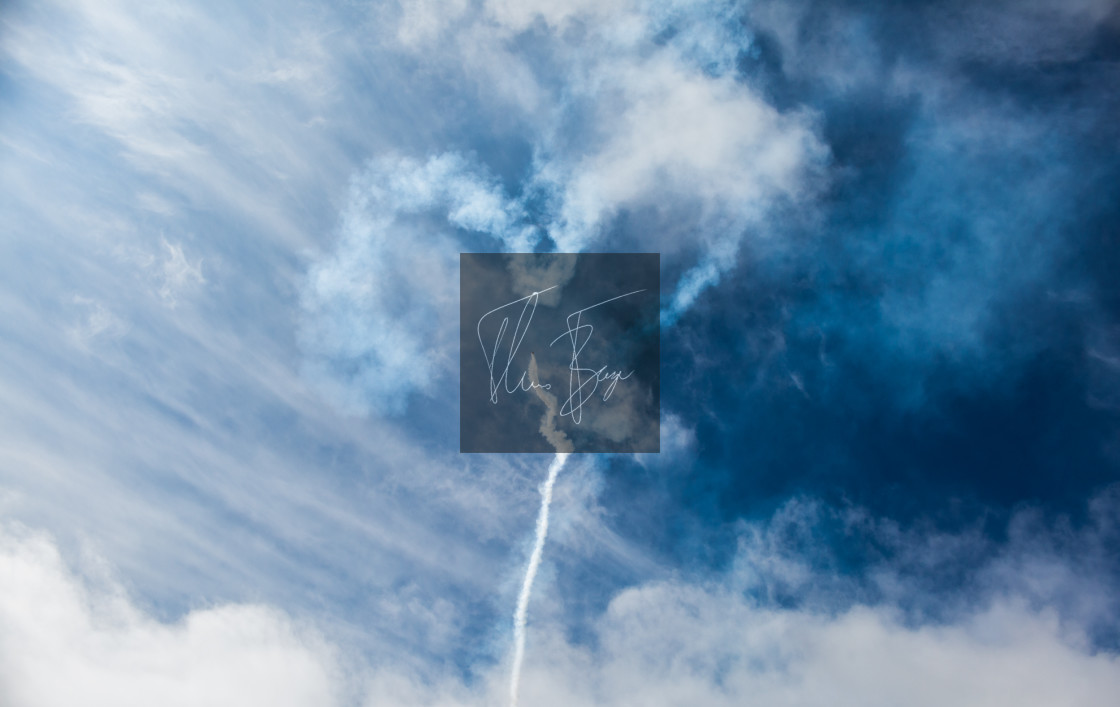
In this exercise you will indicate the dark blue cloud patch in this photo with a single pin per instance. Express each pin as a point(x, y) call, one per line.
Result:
point(924, 339)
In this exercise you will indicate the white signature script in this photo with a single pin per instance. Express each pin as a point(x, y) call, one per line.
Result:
point(582, 382)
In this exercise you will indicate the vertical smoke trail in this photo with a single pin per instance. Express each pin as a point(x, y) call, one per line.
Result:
point(522, 611)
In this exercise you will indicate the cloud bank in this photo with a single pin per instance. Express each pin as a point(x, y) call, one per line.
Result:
point(77, 635)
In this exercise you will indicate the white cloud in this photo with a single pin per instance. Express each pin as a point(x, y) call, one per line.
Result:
point(63, 643)
point(678, 644)
point(176, 273)
point(380, 320)
point(676, 133)
point(69, 639)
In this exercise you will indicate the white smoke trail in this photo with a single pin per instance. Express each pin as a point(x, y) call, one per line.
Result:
point(520, 615)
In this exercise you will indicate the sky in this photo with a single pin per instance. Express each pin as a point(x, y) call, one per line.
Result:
point(890, 352)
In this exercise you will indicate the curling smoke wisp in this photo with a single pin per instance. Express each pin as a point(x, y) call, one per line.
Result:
point(555, 437)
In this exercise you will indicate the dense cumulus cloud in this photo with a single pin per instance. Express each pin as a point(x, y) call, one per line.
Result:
point(890, 351)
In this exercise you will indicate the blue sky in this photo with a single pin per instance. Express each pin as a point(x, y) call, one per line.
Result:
point(890, 434)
